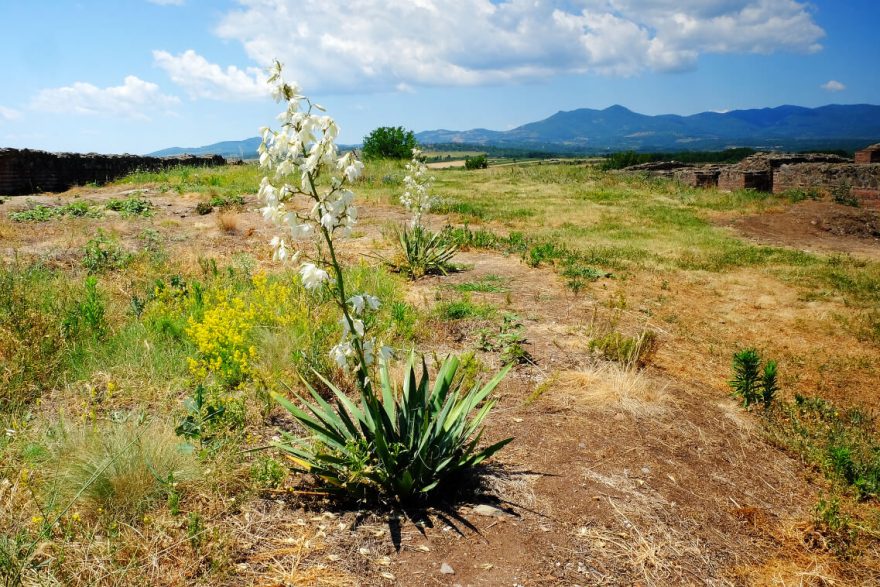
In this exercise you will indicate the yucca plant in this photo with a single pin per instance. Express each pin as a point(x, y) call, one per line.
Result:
point(422, 252)
point(746, 380)
point(402, 445)
point(750, 382)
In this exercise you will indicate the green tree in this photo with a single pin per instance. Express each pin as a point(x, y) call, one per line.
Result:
point(389, 142)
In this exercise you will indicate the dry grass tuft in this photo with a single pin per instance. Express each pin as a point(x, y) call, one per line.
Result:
point(612, 386)
point(227, 221)
point(120, 469)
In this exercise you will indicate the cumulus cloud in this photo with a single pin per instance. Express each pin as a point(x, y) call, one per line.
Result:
point(9, 113)
point(202, 79)
point(135, 98)
point(373, 45)
point(833, 86)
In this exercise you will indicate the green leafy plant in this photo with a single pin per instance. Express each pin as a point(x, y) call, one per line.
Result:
point(42, 213)
point(103, 253)
point(204, 416)
point(131, 206)
point(509, 340)
point(89, 313)
point(750, 382)
point(403, 445)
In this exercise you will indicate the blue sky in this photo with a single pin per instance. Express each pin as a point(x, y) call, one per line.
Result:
point(140, 75)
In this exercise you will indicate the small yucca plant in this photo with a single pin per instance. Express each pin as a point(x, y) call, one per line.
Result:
point(402, 445)
point(750, 382)
point(422, 252)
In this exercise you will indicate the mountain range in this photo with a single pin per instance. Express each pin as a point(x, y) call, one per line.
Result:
point(619, 129)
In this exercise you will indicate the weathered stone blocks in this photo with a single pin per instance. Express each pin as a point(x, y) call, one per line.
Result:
point(24, 171)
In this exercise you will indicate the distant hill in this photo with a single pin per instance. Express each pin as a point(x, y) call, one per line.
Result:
point(620, 129)
point(585, 130)
point(246, 149)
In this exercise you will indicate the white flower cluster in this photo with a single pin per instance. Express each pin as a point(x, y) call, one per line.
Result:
point(304, 148)
point(417, 184)
point(344, 352)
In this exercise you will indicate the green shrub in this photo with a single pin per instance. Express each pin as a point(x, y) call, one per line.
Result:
point(405, 444)
point(204, 208)
point(476, 162)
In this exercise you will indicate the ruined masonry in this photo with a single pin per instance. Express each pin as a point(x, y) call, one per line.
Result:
point(24, 171)
point(780, 172)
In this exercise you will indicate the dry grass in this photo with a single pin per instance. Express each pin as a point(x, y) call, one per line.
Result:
point(227, 221)
point(611, 386)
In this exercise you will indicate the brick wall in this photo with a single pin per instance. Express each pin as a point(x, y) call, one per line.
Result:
point(23, 171)
point(860, 180)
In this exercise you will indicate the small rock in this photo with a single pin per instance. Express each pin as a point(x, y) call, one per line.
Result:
point(487, 510)
point(446, 569)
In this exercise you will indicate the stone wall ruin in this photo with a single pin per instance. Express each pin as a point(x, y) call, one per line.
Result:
point(25, 171)
point(779, 172)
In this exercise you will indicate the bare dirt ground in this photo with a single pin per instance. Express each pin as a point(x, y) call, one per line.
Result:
point(817, 226)
point(615, 477)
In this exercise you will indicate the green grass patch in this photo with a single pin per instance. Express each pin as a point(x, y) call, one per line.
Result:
point(464, 309)
point(486, 284)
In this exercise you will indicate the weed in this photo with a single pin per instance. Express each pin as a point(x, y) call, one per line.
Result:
point(626, 350)
point(131, 206)
point(508, 340)
point(42, 213)
point(89, 313)
point(801, 194)
point(268, 473)
point(227, 222)
point(103, 253)
point(842, 194)
point(843, 444)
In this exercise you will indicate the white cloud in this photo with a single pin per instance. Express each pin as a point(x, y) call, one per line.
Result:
point(9, 114)
point(135, 98)
point(202, 79)
point(833, 86)
point(371, 45)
